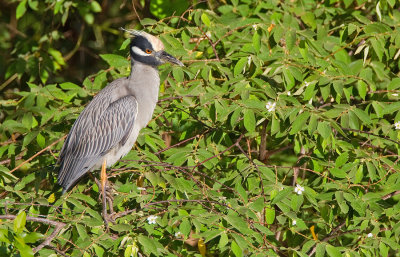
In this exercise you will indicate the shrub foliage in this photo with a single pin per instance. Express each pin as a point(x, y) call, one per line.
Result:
point(277, 138)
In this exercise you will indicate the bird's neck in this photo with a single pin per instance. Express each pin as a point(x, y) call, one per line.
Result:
point(144, 83)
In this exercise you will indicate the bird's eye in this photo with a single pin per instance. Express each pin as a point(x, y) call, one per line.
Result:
point(148, 51)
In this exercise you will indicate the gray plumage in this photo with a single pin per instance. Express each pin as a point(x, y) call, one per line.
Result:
point(108, 127)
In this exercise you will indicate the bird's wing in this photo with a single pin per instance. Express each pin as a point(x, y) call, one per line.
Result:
point(98, 129)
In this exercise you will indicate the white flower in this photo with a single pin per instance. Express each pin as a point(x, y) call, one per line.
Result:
point(288, 93)
point(141, 188)
point(152, 219)
point(306, 84)
point(299, 189)
point(395, 94)
point(397, 125)
point(270, 106)
point(178, 234)
point(255, 26)
point(294, 222)
point(370, 235)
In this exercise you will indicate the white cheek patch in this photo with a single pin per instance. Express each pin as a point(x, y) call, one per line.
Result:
point(139, 51)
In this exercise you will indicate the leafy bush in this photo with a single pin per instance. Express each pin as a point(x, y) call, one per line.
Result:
point(278, 138)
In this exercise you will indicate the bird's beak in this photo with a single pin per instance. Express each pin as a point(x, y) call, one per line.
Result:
point(166, 57)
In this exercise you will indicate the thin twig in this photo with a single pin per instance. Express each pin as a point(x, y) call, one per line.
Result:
point(261, 181)
point(57, 227)
point(385, 197)
point(182, 142)
point(38, 153)
point(372, 134)
point(262, 156)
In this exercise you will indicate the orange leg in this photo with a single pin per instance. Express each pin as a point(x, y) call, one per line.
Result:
point(103, 181)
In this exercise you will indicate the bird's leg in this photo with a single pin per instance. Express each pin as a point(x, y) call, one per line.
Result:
point(108, 188)
point(103, 185)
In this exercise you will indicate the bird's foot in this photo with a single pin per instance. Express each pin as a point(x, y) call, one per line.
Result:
point(108, 189)
point(106, 197)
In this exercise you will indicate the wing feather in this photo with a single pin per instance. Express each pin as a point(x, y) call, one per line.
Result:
point(98, 129)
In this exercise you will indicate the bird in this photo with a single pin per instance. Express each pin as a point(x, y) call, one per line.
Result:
point(109, 125)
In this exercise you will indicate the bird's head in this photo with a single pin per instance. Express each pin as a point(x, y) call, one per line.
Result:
point(148, 49)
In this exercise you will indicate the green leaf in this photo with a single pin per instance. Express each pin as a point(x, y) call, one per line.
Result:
point(339, 173)
point(150, 245)
point(95, 6)
point(256, 41)
point(324, 129)
point(57, 56)
point(236, 249)
point(239, 66)
point(223, 240)
point(81, 231)
point(21, 9)
point(19, 222)
point(332, 251)
point(33, 237)
point(114, 60)
point(364, 117)
point(41, 140)
point(299, 123)
point(238, 223)
point(98, 250)
point(394, 84)
point(242, 192)
point(281, 195)
point(309, 19)
point(275, 126)
point(362, 89)
point(178, 74)
point(205, 19)
point(249, 120)
point(29, 137)
point(342, 159)
point(269, 215)
point(320, 250)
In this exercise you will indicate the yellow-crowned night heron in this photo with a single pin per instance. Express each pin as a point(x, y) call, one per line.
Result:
point(107, 128)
